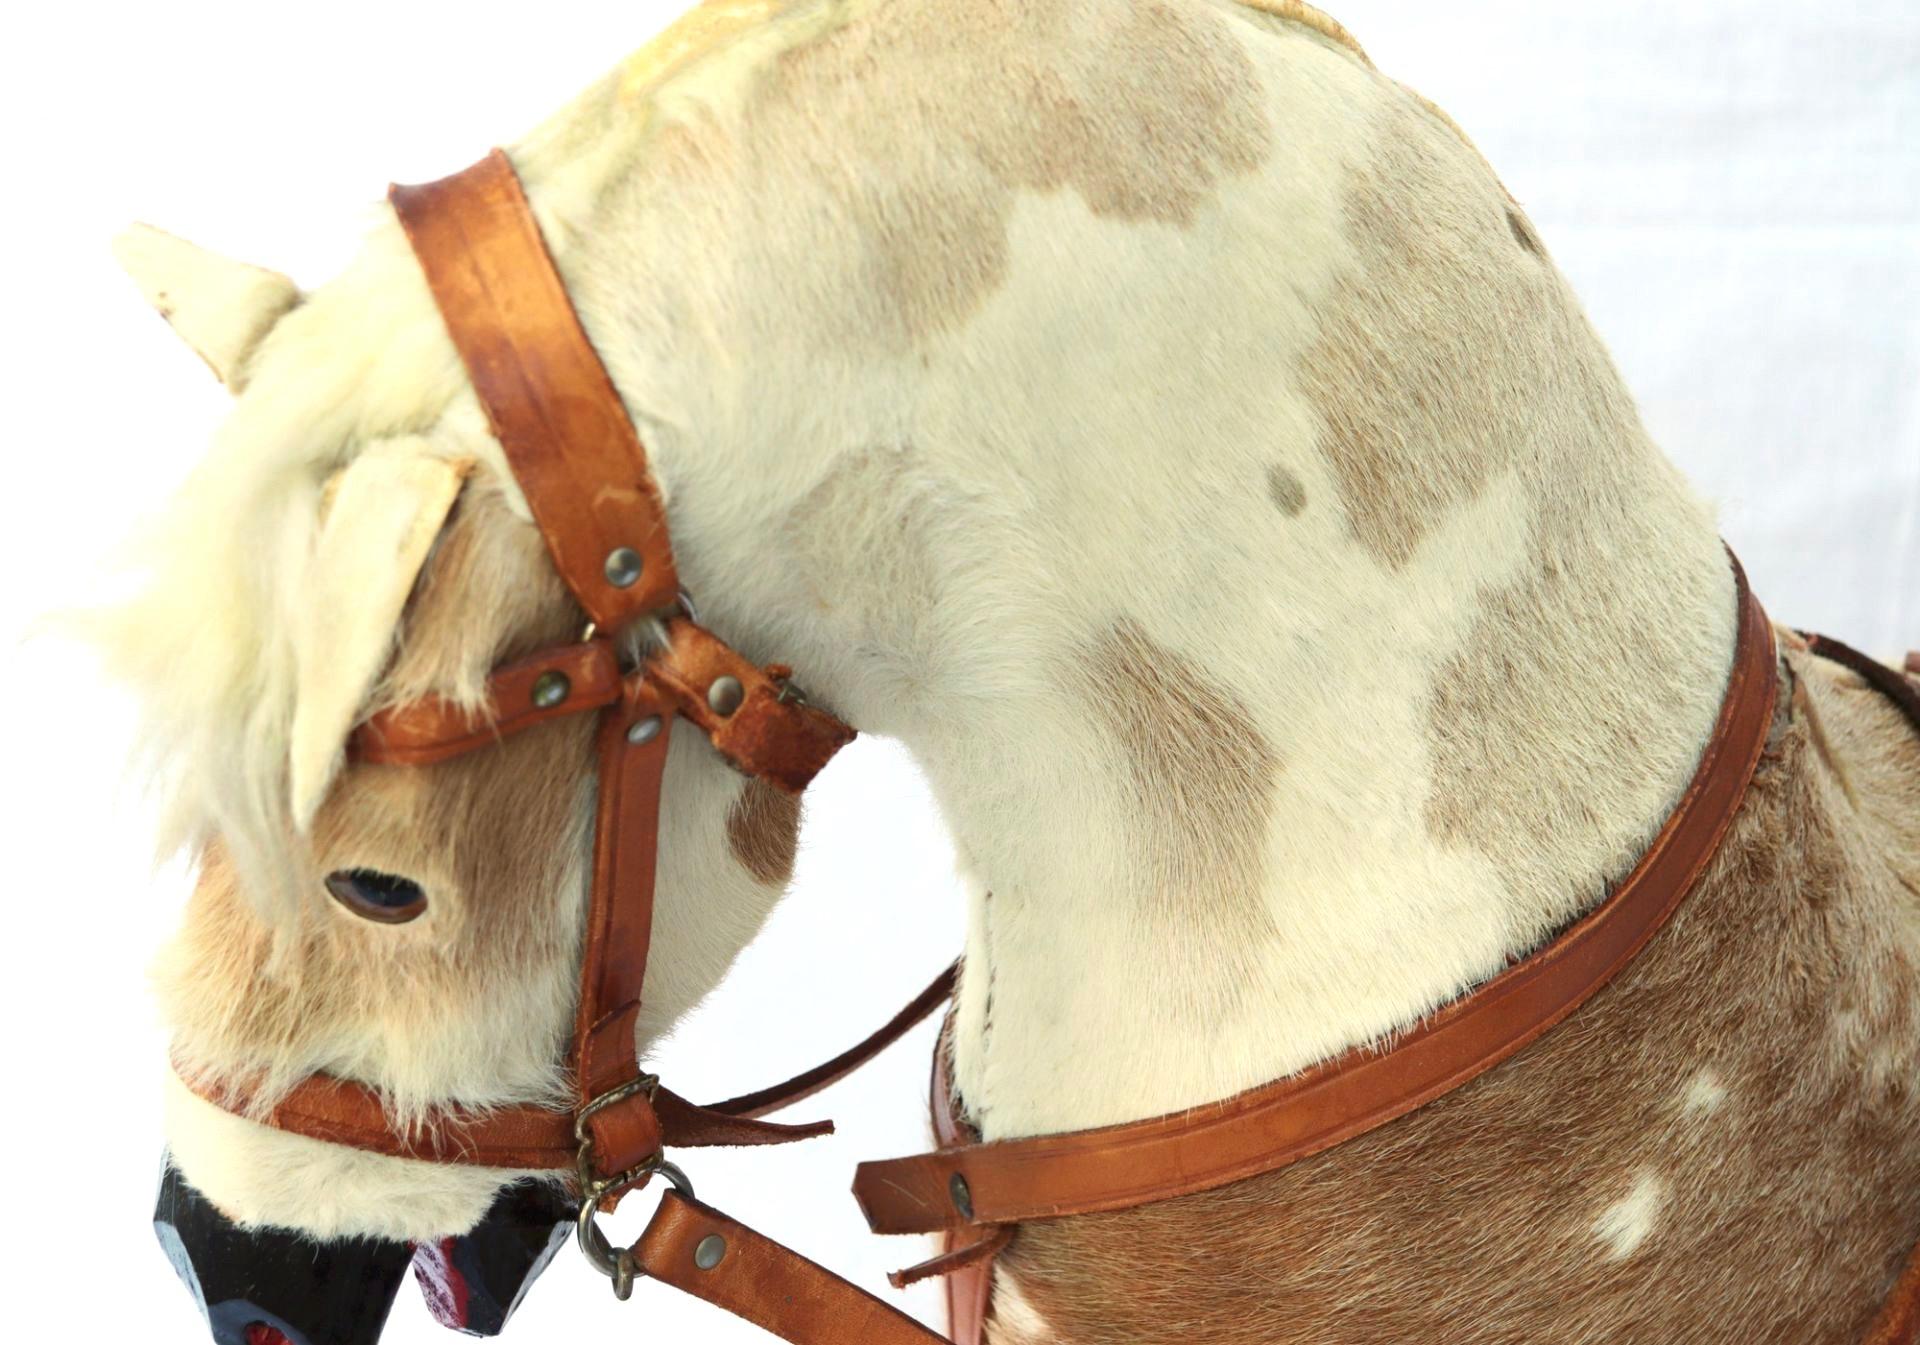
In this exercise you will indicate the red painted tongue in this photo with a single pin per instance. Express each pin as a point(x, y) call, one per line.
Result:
point(259, 1333)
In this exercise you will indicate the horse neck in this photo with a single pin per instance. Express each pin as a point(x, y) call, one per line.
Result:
point(1214, 839)
point(1282, 596)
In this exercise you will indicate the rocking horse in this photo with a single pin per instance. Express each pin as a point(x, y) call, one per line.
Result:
point(1416, 894)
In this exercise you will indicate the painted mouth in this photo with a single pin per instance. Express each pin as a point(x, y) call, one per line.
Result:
point(269, 1286)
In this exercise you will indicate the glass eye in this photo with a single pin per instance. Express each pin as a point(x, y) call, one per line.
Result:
point(384, 897)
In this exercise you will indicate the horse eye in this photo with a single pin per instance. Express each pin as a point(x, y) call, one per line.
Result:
point(385, 897)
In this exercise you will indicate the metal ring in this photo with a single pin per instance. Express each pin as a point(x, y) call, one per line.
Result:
point(618, 1265)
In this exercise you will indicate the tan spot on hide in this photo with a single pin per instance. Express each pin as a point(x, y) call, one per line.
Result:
point(926, 120)
point(1473, 1219)
point(1286, 490)
point(1449, 358)
point(1431, 341)
point(1201, 776)
point(1502, 782)
point(763, 831)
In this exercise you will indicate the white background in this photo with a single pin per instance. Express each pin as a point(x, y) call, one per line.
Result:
point(1734, 188)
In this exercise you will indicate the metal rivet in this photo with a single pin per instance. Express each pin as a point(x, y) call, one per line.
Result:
point(962, 1195)
point(623, 567)
point(707, 1255)
point(725, 695)
point(550, 688)
point(643, 730)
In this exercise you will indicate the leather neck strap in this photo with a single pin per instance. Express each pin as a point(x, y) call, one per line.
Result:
point(1116, 1167)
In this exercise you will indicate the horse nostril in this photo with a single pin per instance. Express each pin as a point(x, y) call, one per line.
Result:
point(384, 897)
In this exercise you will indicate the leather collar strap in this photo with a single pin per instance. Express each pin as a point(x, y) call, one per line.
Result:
point(1267, 1128)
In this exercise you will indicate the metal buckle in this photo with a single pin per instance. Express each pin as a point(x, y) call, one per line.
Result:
point(597, 1188)
point(617, 1266)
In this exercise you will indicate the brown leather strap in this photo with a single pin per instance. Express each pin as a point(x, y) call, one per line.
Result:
point(522, 1136)
point(772, 735)
point(700, 1251)
point(633, 758)
point(572, 679)
point(762, 725)
point(1899, 1319)
point(1269, 1127)
point(567, 435)
point(967, 1256)
point(805, 1085)
point(1888, 681)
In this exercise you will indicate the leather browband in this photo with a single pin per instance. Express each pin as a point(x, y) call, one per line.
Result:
point(1266, 1128)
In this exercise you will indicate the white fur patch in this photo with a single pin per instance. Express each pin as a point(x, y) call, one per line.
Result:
point(1626, 1223)
point(1015, 1322)
point(1704, 1095)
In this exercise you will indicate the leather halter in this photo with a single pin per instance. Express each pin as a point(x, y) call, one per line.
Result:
point(580, 463)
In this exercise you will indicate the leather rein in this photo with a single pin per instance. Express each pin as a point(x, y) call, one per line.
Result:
point(579, 461)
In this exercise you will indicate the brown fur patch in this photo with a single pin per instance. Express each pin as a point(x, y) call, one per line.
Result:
point(927, 119)
point(1202, 774)
point(1286, 490)
point(763, 831)
point(1788, 1208)
point(492, 837)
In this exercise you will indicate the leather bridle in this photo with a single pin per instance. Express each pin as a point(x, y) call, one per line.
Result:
point(580, 464)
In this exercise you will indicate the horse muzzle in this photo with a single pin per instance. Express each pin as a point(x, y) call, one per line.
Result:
point(270, 1286)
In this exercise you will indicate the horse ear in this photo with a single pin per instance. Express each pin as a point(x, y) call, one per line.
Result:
point(220, 307)
point(383, 513)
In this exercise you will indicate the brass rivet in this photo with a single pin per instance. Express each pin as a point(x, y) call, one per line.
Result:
point(550, 688)
point(707, 1255)
point(643, 730)
point(962, 1195)
point(725, 695)
point(623, 567)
